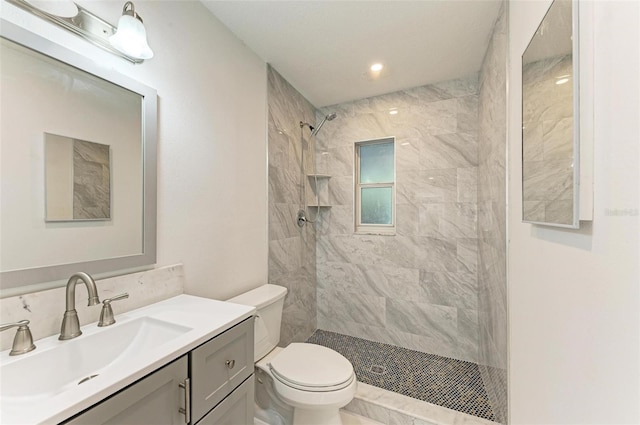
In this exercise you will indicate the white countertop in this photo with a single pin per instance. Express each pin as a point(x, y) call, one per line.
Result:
point(206, 318)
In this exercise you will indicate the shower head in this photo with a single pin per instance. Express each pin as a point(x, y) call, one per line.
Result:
point(328, 117)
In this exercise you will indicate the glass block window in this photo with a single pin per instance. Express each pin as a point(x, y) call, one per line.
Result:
point(375, 186)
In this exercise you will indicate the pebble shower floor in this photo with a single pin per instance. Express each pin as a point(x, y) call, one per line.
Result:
point(450, 383)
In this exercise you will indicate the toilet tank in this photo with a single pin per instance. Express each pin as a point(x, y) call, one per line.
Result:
point(268, 300)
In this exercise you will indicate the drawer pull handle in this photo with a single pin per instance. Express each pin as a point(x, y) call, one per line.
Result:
point(230, 363)
point(186, 411)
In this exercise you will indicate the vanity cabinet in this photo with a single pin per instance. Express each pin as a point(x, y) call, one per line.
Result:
point(219, 366)
point(152, 400)
point(236, 409)
point(217, 374)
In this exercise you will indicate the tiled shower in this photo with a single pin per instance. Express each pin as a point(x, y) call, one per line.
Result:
point(438, 285)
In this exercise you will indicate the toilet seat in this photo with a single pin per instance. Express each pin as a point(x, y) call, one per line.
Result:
point(310, 367)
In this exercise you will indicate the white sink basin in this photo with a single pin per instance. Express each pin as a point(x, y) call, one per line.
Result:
point(43, 386)
point(53, 371)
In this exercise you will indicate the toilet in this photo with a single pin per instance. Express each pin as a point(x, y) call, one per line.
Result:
point(311, 380)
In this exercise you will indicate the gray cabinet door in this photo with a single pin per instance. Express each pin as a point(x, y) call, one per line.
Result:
point(236, 409)
point(219, 366)
point(152, 400)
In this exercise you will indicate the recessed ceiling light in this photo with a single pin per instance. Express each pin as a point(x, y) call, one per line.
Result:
point(376, 67)
point(562, 81)
point(393, 111)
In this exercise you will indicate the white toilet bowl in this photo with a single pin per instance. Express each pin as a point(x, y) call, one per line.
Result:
point(316, 381)
point(313, 380)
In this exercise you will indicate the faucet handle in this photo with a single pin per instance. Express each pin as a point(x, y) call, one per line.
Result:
point(23, 341)
point(106, 315)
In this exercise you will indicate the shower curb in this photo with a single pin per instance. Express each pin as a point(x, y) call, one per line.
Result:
point(391, 408)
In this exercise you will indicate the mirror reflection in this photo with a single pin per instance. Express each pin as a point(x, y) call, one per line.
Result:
point(77, 179)
point(549, 150)
point(73, 169)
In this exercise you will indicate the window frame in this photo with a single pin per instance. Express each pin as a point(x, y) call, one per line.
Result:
point(373, 229)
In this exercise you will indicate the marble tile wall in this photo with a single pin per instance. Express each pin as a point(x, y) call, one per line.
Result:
point(292, 250)
point(45, 309)
point(547, 145)
point(492, 287)
point(91, 180)
point(418, 288)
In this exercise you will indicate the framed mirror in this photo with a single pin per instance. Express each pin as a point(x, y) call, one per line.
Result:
point(550, 120)
point(78, 165)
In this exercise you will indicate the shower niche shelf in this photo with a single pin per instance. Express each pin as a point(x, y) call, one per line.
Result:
point(319, 184)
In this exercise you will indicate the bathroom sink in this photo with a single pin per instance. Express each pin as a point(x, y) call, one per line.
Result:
point(71, 363)
point(62, 378)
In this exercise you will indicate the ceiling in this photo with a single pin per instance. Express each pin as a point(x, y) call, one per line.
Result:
point(325, 48)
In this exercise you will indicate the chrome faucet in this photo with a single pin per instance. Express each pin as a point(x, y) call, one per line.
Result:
point(70, 325)
point(23, 341)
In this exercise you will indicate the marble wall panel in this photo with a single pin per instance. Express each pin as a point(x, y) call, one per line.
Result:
point(449, 150)
point(45, 308)
point(452, 89)
point(449, 289)
point(282, 221)
point(547, 142)
point(408, 222)
point(424, 278)
point(467, 255)
point(353, 307)
point(396, 282)
point(491, 294)
point(335, 220)
point(91, 180)
point(467, 184)
point(292, 250)
point(408, 154)
point(468, 332)
point(339, 193)
point(436, 254)
point(439, 322)
point(424, 186)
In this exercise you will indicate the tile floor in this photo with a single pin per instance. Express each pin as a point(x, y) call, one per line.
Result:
point(348, 418)
point(442, 381)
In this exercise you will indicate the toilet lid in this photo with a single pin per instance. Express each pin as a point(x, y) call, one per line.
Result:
point(310, 365)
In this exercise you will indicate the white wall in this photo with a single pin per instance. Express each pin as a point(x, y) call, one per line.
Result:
point(212, 177)
point(574, 300)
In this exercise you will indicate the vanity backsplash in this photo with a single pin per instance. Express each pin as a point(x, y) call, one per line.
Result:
point(45, 309)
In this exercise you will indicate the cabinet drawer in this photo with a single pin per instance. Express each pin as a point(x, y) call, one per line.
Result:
point(237, 409)
point(219, 366)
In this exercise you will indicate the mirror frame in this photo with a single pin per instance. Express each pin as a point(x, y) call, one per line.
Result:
point(15, 279)
point(575, 47)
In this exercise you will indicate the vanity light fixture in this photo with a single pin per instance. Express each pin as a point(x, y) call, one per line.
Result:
point(62, 8)
point(131, 37)
point(376, 67)
point(128, 40)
